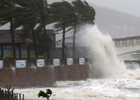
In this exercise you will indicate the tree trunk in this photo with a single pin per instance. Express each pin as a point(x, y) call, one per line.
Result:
point(13, 38)
point(19, 51)
point(28, 51)
point(35, 45)
point(47, 48)
point(2, 52)
point(74, 40)
point(63, 39)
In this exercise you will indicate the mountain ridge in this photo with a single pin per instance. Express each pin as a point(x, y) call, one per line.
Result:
point(108, 16)
point(117, 24)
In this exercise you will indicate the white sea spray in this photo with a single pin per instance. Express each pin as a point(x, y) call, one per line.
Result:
point(109, 78)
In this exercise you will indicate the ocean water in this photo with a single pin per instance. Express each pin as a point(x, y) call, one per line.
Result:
point(121, 88)
point(109, 78)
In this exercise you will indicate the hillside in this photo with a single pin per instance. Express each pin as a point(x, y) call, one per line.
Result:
point(112, 22)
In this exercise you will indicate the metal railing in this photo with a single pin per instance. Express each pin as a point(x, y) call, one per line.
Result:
point(6, 95)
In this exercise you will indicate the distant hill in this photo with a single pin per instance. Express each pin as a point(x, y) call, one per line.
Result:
point(106, 16)
point(117, 24)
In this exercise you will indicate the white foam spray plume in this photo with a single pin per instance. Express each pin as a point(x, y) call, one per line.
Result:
point(115, 81)
point(101, 51)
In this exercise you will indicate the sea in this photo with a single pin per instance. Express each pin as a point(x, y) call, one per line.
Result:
point(109, 77)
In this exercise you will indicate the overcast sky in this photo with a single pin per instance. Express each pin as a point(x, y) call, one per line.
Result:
point(127, 6)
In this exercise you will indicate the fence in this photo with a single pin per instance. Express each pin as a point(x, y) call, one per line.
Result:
point(10, 95)
point(45, 62)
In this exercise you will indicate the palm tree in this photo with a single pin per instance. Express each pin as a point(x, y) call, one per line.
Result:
point(33, 13)
point(58, 13)
point(44, 13)
point(75, 23)
point(86, 12)
point(28, 18)
point(71, 21)
point(7, 14)
point(79, 13)
point(62, 13)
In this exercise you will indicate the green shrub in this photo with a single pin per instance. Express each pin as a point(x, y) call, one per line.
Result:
point(9, 58)
point(22, 57)
point(46, 94)
point(1, 58)
point(40, 57)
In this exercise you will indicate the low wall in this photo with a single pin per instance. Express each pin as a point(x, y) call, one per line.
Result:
point(33, 76)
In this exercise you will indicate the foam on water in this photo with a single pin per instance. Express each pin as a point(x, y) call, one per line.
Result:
point(109, 78)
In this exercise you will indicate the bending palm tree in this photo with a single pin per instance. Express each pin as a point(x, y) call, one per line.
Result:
point(34, 12)
point(62, 12)
point(71, 21)
point(79, 13)
point(7, 14)
point(44, 20)
point(28, 18)
point(86, 12)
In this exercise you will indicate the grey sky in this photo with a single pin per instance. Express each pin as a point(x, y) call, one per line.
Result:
point(127, 6)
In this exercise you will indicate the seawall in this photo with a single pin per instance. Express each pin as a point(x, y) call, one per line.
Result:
point(33, 76)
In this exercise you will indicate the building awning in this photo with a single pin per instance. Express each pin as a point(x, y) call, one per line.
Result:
point(6, 39)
